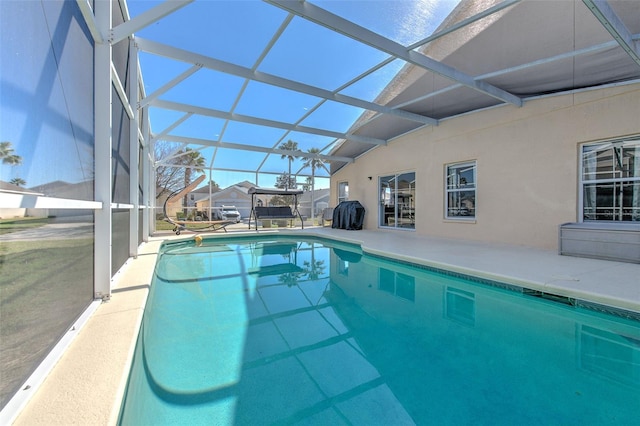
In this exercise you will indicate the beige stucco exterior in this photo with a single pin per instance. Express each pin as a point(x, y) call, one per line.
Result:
point(527, 165)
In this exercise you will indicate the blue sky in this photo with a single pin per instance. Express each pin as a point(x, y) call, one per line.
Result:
point(236, 32)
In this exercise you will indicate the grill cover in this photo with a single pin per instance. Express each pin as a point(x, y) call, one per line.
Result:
point(348, 215)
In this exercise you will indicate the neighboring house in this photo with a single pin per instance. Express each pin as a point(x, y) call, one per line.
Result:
point(238, 195)
point(199, 194)
point(178, 204)
point(56, 189)
point(19, 212)
point(60, 189)
point(78, 191)
point(320, 200)
point(235, 195)
point(246, 184)
point(172, 208)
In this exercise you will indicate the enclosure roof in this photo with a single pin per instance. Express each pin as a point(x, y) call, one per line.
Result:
point(236, 80)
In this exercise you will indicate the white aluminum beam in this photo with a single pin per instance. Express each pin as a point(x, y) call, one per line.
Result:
point(177, 153)
point(253, 148)
point(146, 18)
point(124, 99)
point(89, 19)
point(263, 122)
point(274, 38)
point(250, 74)
point(125, 206)
point(223, 169)
point(614, 25)
point(336, 23)
point(134, 152)
point(125, 9)
point(143, 93)
point(149, 182)
point(171, 127)
point(561, 56)
point(16, 200)
point(188, 73)
point(102, 155)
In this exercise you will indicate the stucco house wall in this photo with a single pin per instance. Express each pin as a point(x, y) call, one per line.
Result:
point(527, 165)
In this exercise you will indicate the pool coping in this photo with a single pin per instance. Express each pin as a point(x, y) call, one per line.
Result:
point(94, 368)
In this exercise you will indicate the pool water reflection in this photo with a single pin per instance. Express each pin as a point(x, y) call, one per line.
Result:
point(280, 331)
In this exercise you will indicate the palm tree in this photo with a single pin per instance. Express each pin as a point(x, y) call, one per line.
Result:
point(18, 181)
point(289, 146)
point(314, 269)
point(7, 155)
point(194, 161)
point(306, 186)
point(315, 163)
point(289, 278)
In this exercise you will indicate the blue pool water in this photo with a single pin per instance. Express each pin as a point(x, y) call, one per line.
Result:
point(273, 330)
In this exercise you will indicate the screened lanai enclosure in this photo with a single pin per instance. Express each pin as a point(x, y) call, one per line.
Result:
point(101, 100)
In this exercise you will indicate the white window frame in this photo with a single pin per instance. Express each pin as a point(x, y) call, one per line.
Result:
point(447, 172)
point(633, 140)
point(343, 196)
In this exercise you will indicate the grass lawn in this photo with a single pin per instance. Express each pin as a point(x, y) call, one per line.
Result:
point(44, 285)
point(12, 225)
point(163, 225)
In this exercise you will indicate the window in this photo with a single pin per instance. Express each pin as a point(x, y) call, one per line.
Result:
point(460, 190)
point(610, 180)
point(608, 354)
point(343, 267)
point(460, 306)
point(343, 192)
point(397, 200)
point(397, 284)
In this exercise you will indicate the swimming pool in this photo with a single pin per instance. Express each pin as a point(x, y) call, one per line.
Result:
point(276, 330)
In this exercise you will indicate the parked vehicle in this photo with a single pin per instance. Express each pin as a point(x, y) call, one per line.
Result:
point(231, 213)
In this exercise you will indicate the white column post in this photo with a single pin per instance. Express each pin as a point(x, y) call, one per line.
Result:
point(102, 152)
point(134, 150)
point(148, 184)
point(150, 176)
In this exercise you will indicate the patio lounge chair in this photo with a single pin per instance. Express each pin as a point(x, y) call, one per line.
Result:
point(327, 215)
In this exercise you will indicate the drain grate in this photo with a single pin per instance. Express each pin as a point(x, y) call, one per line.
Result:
point(550, 296)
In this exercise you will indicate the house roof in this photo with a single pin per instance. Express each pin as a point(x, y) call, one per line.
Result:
point(61, 189)
point(318, 195)
point(9, 187)
point(205, 190)
point(528, 50)
point(240, 188)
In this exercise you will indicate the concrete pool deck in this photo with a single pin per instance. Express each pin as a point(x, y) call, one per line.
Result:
point(87, 383)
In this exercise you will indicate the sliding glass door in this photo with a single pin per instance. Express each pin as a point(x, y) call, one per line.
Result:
point(397, 200)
